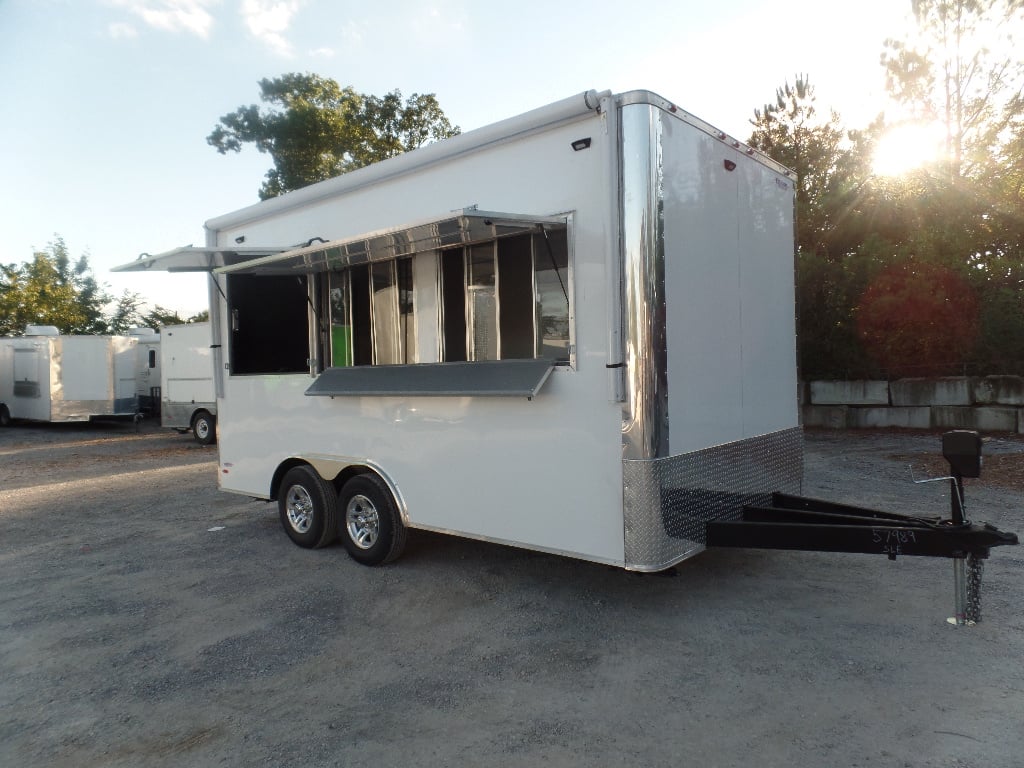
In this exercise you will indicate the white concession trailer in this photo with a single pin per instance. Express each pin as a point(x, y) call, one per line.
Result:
point(188, 399)
point(571, 331)
point(47, 376)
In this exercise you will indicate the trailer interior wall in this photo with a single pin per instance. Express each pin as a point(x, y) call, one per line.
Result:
point(544, 473)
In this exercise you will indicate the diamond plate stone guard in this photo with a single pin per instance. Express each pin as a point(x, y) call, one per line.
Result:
point(668, 502)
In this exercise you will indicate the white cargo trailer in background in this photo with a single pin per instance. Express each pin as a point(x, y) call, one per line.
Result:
point(571, 331)
point(147, 369)
point(46, 376)
point(188, 401)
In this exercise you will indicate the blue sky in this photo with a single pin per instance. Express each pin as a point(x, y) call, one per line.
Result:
point(109, 102)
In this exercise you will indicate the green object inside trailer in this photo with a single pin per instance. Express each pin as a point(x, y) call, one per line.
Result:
point(341, 345)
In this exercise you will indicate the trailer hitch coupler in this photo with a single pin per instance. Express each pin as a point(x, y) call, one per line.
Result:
point(962, 449)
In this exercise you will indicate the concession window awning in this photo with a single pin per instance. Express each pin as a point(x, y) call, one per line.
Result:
point(523, 378)
point(195, 259)
point(459, 228)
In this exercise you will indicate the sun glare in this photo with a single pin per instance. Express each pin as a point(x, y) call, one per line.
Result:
point(907, 147)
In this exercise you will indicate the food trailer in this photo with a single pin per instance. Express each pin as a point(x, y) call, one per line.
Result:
point(571, 331)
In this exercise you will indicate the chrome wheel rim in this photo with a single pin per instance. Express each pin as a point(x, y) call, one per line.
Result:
point(202, 428)
point(298, 507)
point(362, 521)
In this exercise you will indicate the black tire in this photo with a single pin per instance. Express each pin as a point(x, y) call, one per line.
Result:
point(5, 416)
point(368, 521)
point(308, 506)
point(204, 428)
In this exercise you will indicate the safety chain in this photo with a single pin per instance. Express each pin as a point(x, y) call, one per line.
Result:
point(975, 568)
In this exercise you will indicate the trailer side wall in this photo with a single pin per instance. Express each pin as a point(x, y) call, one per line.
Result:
point(711, 418)
point(544, 473)
point(186, 374)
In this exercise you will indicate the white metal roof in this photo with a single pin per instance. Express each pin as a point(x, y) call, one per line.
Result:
point(571, 108)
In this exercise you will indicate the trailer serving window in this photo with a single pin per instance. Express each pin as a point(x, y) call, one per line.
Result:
point(506, 299)
point(269, 324)
point(372, 314)
point(347, 311)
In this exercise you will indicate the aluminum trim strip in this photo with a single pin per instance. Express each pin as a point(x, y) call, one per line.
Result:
point(643, 97)
point(645, 412)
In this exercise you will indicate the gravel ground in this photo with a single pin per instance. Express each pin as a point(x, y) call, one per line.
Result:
point(146, 619)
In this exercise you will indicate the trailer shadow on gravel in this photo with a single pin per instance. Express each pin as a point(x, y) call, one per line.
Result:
point(57, 456)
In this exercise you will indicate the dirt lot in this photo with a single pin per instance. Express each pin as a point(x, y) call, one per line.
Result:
point(146, 619)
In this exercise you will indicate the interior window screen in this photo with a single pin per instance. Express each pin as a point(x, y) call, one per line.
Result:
point(515, 298)
point(386, 340)
point(362, 322)
point(341, 320)
point(406, 310)
point(481, 300)
point(453, 306)
point(507, 299)
point(551, 260)
point(373, 319)
point(269, 316)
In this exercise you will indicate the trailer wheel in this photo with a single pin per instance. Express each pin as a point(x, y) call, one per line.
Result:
point(309, 508)
point(371, 528)
point(5, 416)
point(204, 428)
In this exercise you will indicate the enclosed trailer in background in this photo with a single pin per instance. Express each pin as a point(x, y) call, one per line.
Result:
point(571, 331)
point(46, 376)
point(147, 369)
point(188, 399)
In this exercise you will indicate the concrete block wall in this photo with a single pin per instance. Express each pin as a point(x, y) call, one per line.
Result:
point(984, 403)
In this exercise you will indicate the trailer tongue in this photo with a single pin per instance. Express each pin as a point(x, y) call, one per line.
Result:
point(799, 523)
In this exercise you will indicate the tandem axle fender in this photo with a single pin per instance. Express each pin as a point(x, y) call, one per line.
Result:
point(799, 523)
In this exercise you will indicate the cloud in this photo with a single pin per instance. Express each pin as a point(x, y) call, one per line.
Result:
point(353, 32)
point(189, 16)
point(268, 20)
point(323, 53)
point(122, 31)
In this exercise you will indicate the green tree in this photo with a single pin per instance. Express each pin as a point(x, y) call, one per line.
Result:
point(962, 69)
point(314, 129)
point(831, 222)
point(52, 289)
point(792, 131)
point(126, 313)
point(160, 316)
